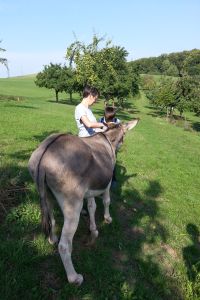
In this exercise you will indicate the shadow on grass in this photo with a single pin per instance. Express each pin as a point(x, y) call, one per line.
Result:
point(156, 112)
point(128, 106)
point(18, 105)
point(191, 256)
point(180, 121)
point(44, 135)
point(15, 178)
point(196, 126)
point(136, 254)
point(74, 102)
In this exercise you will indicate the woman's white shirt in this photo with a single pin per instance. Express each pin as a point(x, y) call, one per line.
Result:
point(80, 111)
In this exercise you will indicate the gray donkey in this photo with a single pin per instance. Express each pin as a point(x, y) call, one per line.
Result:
point(72, 168)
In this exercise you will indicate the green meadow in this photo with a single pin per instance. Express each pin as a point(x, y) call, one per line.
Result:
point(152, 248)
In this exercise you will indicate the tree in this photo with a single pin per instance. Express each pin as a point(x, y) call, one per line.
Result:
point(187, 94)
point(169, 68)
point(173, 64)
point(182, 94)
point(106, 68)
point(148, 82)
point(4, 60)
point(163, 95)
point(70, 84)
point(192, 63)
point(196, 101)
point(51, 78)
point(177, 59)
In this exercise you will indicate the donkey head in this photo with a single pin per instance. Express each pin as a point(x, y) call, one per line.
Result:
point(116, 132)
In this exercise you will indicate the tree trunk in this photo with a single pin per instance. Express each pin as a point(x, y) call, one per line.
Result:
point(70, 97)
point(171, 111)
point(167, 112)
point(57, 96)
point(185, 124)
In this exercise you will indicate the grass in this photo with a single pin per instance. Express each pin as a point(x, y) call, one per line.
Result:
point(150, 251)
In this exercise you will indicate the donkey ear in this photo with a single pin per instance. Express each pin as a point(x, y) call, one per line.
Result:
point(131, 124)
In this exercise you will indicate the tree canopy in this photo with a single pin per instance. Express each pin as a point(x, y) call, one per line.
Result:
point(104, 67)
point(182, 93)
point(173, 64)
point(98, 63)
point(57, 77)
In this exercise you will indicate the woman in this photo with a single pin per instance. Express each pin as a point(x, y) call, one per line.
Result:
point(85, 120)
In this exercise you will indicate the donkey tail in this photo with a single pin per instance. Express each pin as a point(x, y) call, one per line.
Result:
point(45, 210)
point(37, 171)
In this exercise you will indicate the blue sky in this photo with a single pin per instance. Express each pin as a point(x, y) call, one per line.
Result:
point(38, 32)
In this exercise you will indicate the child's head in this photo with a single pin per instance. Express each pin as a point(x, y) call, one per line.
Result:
point(109, 113)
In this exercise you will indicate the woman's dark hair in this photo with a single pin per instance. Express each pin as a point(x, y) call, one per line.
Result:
point(89, 90)
point(109, 113)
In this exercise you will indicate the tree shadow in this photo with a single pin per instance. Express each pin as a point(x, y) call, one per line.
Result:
point(156, 112)
point(23, 262)
point(196, 126)
point(191, 256)
point(138, 256)
point(178, 120)
point(74, 102)
point(15, 178)
point(13, 188)
point(45, 134)
point(18, 105)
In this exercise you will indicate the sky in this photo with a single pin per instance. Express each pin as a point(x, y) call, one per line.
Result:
point(36, 33)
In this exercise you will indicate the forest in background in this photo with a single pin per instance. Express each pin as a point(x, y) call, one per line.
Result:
point(172, 64)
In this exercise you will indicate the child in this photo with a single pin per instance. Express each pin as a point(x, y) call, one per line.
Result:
point(109, 117)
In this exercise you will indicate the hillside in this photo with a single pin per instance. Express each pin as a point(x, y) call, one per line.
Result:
point(150, 251)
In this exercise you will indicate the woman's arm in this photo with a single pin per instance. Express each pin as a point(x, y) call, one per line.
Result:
point(90, 124)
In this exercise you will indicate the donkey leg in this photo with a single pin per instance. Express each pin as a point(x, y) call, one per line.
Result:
point(91, 204)
point(53, 236)
point(71, 213)
point(106, 202)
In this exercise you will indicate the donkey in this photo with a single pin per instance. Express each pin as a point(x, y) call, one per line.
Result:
point(72, 168)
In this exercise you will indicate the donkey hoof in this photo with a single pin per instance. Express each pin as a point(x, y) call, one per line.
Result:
point(53, 240)
point(76, 279)
point(108, 220)
point(94, 234)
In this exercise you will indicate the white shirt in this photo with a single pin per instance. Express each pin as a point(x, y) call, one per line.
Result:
point(82, 110)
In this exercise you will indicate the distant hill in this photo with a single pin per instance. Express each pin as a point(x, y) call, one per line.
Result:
point(173, 64)
point(23, 87)
point(25, 76)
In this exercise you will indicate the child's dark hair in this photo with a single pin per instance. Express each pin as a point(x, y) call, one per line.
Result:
point(89, 90)
point(109, 113)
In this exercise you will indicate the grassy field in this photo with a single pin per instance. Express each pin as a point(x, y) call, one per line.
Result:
point(152, 248)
